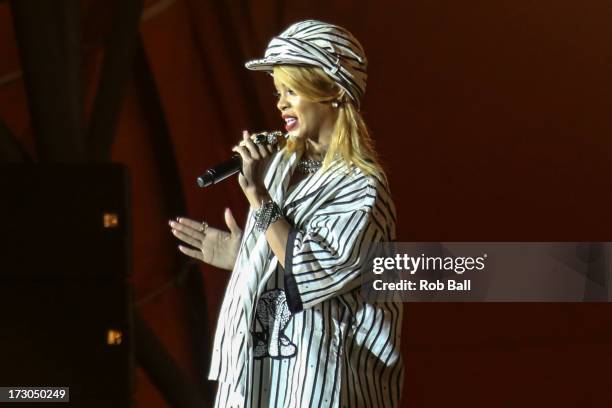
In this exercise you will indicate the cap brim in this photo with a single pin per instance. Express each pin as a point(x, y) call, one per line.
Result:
point(264, 64)
point(268, 64)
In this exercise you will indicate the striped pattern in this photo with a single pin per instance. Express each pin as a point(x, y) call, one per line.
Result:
point(305, 337)
point(317, 44)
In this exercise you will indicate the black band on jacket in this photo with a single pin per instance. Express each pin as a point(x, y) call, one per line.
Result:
point(291, 291)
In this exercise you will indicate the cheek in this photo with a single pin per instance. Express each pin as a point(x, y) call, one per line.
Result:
point(306, 121)
point(307, 116)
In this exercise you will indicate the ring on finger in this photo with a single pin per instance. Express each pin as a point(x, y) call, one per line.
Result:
point(204, 227)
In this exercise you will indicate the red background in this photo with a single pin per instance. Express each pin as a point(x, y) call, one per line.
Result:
point(493, 119)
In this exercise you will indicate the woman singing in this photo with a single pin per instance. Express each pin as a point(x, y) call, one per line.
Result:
point(294, 329)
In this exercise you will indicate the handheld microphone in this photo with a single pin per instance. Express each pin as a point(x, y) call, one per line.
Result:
point(232, 166)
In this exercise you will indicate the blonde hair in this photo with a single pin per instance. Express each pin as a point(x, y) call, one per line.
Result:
point(350, 138)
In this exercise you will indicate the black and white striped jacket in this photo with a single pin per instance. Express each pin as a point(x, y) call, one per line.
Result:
point(305, 336)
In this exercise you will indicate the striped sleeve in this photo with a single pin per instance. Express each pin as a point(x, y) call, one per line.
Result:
point(323, 260)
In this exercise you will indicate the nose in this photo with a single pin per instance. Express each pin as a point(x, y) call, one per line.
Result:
point(282, 103)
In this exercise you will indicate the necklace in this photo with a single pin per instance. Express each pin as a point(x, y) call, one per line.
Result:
point(309, 166)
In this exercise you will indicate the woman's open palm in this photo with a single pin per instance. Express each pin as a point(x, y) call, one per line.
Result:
point(210, 245)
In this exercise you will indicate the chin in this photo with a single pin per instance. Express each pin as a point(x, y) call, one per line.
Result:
point(296, 134)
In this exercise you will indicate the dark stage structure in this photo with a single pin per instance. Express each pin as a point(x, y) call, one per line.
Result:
point(66, 289)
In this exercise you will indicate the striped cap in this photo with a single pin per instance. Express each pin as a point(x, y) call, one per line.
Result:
point(317, 44)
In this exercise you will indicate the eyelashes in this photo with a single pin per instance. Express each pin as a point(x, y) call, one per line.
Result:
point(278, 94)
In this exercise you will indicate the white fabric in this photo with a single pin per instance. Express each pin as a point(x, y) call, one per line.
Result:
point(305, 336)
point(314, 43)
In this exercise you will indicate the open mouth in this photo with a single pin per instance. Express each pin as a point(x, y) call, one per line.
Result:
point(290, 123)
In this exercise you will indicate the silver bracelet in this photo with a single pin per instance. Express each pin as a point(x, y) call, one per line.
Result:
point(266, 215)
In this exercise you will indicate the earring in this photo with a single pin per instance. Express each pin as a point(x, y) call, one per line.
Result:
point(335, 104)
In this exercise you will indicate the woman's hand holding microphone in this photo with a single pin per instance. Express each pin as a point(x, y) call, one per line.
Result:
point(254, 160)
point(214, 246)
